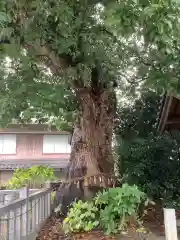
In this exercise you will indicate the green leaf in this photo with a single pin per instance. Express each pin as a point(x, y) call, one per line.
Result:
point(4, 17)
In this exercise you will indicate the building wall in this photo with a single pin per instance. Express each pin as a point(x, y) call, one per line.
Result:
point(30, 146)
point(5, 176)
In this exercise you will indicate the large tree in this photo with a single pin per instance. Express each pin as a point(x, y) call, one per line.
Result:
point(68, 56)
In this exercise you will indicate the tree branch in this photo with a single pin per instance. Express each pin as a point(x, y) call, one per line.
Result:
point(132, 81)
point(49, 58)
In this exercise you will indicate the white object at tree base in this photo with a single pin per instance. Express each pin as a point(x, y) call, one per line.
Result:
point(170, 224)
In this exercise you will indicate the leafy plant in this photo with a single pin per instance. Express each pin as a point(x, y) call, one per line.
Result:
point(82, 216)
point(32, 177)
point(92, 46)
point(118, 206)
point(153, 165)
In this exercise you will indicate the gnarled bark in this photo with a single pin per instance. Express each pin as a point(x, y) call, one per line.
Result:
point(91, 143)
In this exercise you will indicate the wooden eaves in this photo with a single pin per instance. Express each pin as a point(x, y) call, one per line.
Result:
point(169, 115)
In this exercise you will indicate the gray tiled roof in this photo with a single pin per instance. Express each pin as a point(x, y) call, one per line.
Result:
point(33, 128)
point(14, 164)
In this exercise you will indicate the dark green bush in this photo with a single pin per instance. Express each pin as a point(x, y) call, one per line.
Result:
point(153, 164)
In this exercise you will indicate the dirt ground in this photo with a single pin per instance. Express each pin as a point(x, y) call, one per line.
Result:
point(52, 231)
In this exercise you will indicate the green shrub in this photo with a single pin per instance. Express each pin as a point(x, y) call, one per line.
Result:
point(111, 209)
point(153, 165)
point(82, 216)
point(117, 206)
point(32, 177)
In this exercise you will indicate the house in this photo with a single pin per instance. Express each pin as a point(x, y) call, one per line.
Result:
point(169, 116)
point(33, 144)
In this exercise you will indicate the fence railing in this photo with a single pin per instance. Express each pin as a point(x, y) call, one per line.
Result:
point(23, 212)
point(7, 196)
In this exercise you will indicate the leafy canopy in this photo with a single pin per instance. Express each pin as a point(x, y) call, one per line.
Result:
point(51, 49)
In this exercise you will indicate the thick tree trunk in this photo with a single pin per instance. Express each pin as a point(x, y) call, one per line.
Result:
point(92, 139)
point(91, 142)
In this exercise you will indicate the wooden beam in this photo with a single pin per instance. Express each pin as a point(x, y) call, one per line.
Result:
point(177, 96)
point(165, 112)
point(173, 122)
